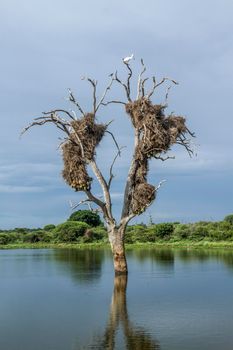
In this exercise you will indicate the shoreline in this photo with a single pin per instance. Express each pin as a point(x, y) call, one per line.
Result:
point(160, 244)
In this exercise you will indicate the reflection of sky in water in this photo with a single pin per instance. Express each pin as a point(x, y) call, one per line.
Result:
point(61, 299)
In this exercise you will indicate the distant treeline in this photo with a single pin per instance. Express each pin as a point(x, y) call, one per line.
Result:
point(86, 227)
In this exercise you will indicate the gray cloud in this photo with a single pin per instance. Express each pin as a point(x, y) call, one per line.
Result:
point(47, 46)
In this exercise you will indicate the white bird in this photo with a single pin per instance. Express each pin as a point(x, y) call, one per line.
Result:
point(128, 58)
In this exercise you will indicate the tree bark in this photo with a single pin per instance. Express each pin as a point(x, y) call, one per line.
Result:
point(116, 238)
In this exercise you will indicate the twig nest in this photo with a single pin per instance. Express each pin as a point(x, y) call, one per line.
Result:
point(157, 131)
point(87, 134)
point(79, 150)
point(74, 172)
point(143, 108)
point(143, 195)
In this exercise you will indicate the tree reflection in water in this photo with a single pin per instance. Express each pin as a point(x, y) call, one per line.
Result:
point(134, 337)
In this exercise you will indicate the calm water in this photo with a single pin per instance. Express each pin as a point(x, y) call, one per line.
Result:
point(69, 300)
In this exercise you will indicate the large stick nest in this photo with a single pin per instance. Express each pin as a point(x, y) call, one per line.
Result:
point(143, 195)
point(80, 149)
point(87, 134)
point(157, 133)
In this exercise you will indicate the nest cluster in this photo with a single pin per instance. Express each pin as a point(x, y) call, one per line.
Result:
point(79, 150)
point(157, 133)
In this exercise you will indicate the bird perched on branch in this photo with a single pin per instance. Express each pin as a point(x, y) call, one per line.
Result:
point(128, 58)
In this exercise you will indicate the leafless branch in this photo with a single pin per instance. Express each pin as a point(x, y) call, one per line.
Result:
point(110, 122)
point(94, 84)
point(155, 85)
point(73, 100)
point(128, 79)
point(114, 139)
point(105, 93)
point(114, 101)
point(80, 143)
point(124, 85)
point(159, 185)
point(190, 133)
point(87, 202)
point(60, 111)
point(111, 176)
point(140, 78)
point(163, 159)
point(186, 144)
point(83, 201)
point(143, 86)
point(74, 113)
point(167, 93)
point(63, 140)
point(53, 118)
point(106, 193)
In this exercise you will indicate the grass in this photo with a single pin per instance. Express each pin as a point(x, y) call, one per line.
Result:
point(158, 244)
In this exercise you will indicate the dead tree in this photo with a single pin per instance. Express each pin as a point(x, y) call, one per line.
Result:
point(154, 134)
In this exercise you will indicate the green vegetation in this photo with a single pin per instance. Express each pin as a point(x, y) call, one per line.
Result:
point(229, 218)
point(70, 231)
point(86, 216)
point(78, 233)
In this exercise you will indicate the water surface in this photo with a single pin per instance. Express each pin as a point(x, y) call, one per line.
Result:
point(68, 300)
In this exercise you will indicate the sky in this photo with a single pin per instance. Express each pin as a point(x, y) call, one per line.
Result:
point(46, 46)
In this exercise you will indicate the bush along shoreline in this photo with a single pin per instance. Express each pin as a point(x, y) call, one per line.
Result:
point(85, 228)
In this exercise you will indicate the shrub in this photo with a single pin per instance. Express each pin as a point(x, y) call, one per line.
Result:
point(182, 231)
point(21, 230)
point(140, 236)
point(229, 218)
point(70, 231)
point(198, 231)
point(164, 230)
point(4, 238)
point(95, 234)
point(14, 237)
point(49, 227)
point(135, 227)
point(9, 237)
point(136, 236)
point(37, 236)
point(222, 231)
point(86, 216)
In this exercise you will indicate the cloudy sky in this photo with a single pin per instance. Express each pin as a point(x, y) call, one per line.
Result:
point(46, 46)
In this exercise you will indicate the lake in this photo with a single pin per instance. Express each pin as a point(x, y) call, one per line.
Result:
point(67, 299)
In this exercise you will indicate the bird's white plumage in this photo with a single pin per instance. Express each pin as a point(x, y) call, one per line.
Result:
point(128, 58)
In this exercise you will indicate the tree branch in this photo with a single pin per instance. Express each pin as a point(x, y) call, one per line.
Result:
point(124, 85)
point(53, 118)
point(105, 93)
point(94, 84)
point(73, 100)
point(164, 159)
point(128, 79)
point(140, 79)
point(114, 101)
point(111, 176)
point(60, 110)
point(155, 85)
point(129, 182)
point(114, 139)
point(186, 145)
point(143, 86)
point(105, 189)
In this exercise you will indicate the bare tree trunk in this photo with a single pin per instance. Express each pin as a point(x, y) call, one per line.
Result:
point(116, 238)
